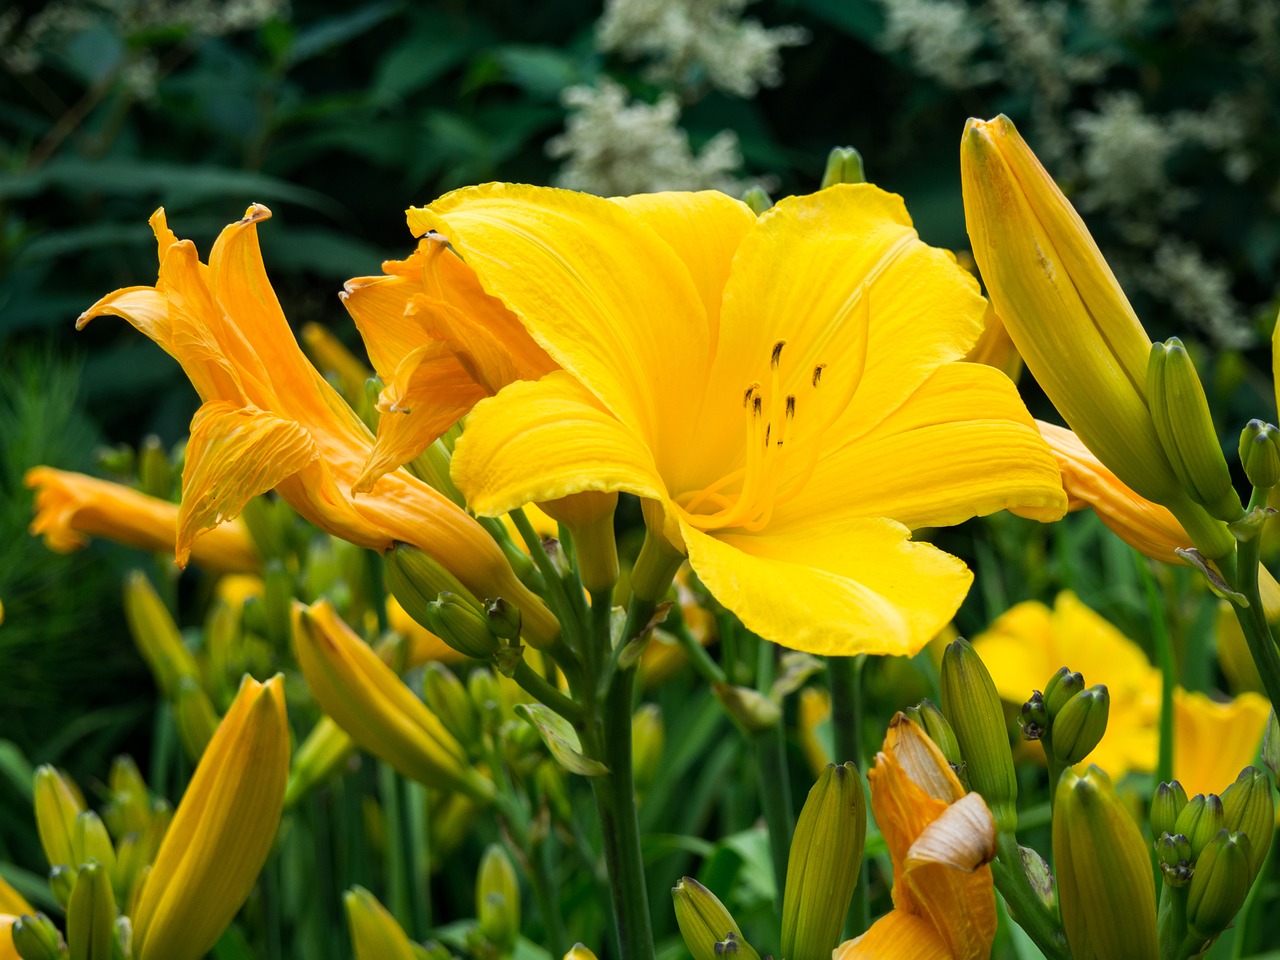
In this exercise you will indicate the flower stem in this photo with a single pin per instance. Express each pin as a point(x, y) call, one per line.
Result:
point(1025, 906)
point(1168, 669)
point(1253, 621)
point(845, 677)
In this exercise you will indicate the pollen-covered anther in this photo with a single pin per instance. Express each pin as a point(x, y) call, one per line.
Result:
point(776, 356)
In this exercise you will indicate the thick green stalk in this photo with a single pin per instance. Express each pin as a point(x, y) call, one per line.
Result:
point(1168, 669)
point(845, 677)
point(775, 798)
point(1025, 906)
point(1253, 621)
point(1172, 920)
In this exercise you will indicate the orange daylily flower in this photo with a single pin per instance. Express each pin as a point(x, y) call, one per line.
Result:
point(269, 420)
point(940, 840)
point(71, 508)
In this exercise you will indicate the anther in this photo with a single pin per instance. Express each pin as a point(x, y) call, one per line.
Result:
point(777, 353)
point(756, 405)
point(817, 373)
point(791, 406)
point(747, 394)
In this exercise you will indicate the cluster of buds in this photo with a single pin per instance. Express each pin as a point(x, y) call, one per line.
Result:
point(1068, 717)
point(1210, 849)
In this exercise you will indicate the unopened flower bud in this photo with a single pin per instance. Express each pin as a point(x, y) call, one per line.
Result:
point(647, 741)
point(1271, 746)
point(758, 199)
point(91, 841)
point(320, 756)
point(579, 951)
point(823, 866)
point(461, 625)
point(155, 471)
point(1184, 425)
point(37, 938)
point(929, 718)
point(91, 915)
point(504, 619)
point(708, 929)
point(1105, 891)
point(972, 706)
point(448, 700)
point(1033, 718)
point(1221, 881)
point(844, 165)
point(1062, 686)
point(750, 709)
point(1250, 809)
point(498, 899)
point(1166, 805)
point(416, 579)
point(1260, 453)
point(1200, 821)
point(486, 693)
point(1080, 724)
point(156, 635)
point(129, 807)
point(62, 880)
point(195, 717)
point(1173, 853)
point(57, 806)
point(375, 935)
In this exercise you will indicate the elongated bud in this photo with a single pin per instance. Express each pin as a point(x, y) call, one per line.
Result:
point(1260, 453)
point(57, 806)
point(91, 915)
point(1105, 888)
point(1249, 808)
point(449, 700)
point(498, 899)
point(647, 741)
point(416, 579)
point(37, 938)
point(972, 705)
point(1271, 745)
point(156, 635)
point(155, 471)
point(62, 880)
point(748, 708)
point(91, 841)
point(1173, 853)
point(708, 929)
point(758, 199)
point(929, 718)
point(461, 625)
point(375, 935)
point(579, 952)
point(1080, 724)
point(589, 517)
point(195, 716)
point(1201, 820)
point(1223, 875)
point(503, 619)
point(1062, 686)
point(321, 755)
point(221, 833)
point(1181, 416)
point(1033, 718)
point(129, 808)
point(823, 866)
point(1169, 801)
point(844, 165)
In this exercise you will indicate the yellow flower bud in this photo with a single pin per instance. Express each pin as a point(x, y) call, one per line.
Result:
point(375, 935)
point(156, 635)
point(972, 707)
point(91, 914)
point(57, 806)
point(195, 717)
point(91, 841)
point(1105, 888)
point(221, 832)
point(579, 951)
point(822, 868)
point(322, 754)
point(708, 929)
point(498, 899)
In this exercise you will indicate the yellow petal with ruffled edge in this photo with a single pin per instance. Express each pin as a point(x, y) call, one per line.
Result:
point(596, 287)
point(543, 440)
point(234, 454)
point(837, 588)
point(1213, 741)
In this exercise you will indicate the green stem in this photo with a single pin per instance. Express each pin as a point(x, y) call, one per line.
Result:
point(701, 661)
point(1025, 907)
point(1253, 621)
point(1055, 771)
point(1171, 921)
point(397, 868)
point(845, 677)
point(1168, 669)
point(557, 598)
point(548, 905)
point(534, 683)
point(775, 798)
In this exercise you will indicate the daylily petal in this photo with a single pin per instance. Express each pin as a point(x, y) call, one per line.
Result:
point(962, 838)
point(857, 586)
point(235, 453)
point(921, 760)
point(143, 307)
point(543, 440)
point(962, 445)
point(596, 287)
point(1212, 741)
point(377, 305)
point(894, 936)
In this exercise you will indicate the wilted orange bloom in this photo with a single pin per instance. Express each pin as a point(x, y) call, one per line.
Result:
point(940, 840)
point(270, 421)
point(72, 507)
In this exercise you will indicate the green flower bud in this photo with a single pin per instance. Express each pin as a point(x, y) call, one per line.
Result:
point(128, 808)
point(91, 915)
point(498, 899)
point(277, 601)
point(57, 806)
point(1221, 882)
point(708, 929)
point(1105, 888)
point(929, 718)
point(375, 935)
point(62, 880)
point(91, 841)
point(462, 625)
point(822, 868)
point(1250, 809)
point(504, 619)
point(416, 579)
point(1062, 686)
point(156, 635)
point(1033, 718)
point(972, 706)
point(486, 694)
point(320, 756)
point(195, 717)
point(155, 471)
point(844, 165)
point(119, 459)
point(1173, 853)
point(1271, 746)
point(1200, 821)
point(36, 938)
point(647, 741)
point(579, 951)
point(448, 700)
point(758, 199)
point(1170, 800)
point(1080, 724)
point(750, 709)
point(1260, 453)
point(1181, 416)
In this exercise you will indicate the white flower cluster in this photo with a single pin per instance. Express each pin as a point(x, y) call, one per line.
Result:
point(1199, 291)
point(612, 146)
point(1124, 151)
point(941, 37)
point(694, 43)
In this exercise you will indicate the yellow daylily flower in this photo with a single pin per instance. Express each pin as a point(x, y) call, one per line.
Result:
point(940, 840)
point(439, 343)
point(12, 906)
point(72, 507)
point(221, 832)
point(1214, 741)
point(270, 420)
point(786, 392)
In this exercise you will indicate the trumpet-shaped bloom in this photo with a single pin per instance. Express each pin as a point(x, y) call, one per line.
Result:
point(221, 832)
point(786, 388)
point(72, 507)
point(1025, 646)
point(269, 420)
point(940, 840)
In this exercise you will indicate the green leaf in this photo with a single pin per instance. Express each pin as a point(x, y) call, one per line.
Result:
point(540, 71)
point(561, 739)
point(331, 32)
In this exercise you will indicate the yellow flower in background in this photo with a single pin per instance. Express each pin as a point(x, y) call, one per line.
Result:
point(12, 906)
point(1213, 741)
point(269, 420)
point(786, 388)
point(71, 508)
point(221, 832)
point(940, 840)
